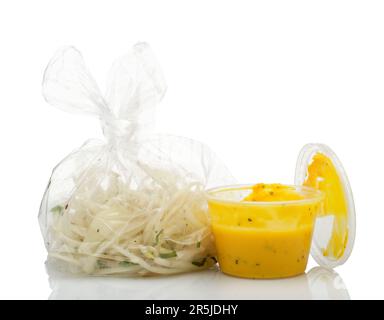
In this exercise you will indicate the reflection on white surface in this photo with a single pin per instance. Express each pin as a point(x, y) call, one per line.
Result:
point(318, 283)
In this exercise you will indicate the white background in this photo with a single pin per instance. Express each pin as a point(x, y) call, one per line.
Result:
point(254, 80)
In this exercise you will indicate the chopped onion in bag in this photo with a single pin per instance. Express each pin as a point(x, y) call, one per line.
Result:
point(135, 204)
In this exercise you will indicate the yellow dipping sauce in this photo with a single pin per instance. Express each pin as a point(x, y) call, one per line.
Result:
point(322, 175)
point(263, 231)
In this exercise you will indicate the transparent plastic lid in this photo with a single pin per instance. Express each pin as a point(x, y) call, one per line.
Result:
point(334, 234)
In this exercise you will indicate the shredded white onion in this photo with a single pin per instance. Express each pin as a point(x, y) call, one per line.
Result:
point(159, 227)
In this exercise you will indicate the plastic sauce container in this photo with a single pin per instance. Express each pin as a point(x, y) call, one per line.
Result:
point(269, 230)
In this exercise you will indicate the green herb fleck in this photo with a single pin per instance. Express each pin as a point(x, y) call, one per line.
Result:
point(158, 236)
point(57, 210)
point(127, 264)
point(199, 263)
point(168, 255)
point(149, 255)
point(198, 244)
point(101, 264)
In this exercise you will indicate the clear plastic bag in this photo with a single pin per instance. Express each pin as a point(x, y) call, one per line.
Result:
point(135, 203)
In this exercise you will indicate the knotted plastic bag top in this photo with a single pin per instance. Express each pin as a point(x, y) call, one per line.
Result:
point(135, 86)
